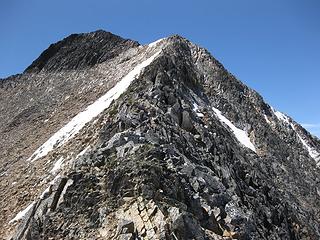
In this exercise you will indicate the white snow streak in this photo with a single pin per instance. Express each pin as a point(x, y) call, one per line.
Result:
point(240, 134)
point(312, 151)
point(57, 165)
point(155, 43)
point(196, 109)
point(47, 190)
point(281, 116)
point(266, 118)
point(79, 121)
point(83, 152)
point(22, 213)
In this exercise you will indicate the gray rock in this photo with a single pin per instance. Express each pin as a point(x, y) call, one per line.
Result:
point(186, 121)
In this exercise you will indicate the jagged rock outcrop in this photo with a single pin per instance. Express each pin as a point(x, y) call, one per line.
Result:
point(164, 144)
point(80, 51)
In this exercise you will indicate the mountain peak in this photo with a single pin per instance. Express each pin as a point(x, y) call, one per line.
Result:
point(78, 51)
point(159, 142)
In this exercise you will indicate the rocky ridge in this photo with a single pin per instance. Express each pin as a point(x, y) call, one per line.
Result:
point(169, 158)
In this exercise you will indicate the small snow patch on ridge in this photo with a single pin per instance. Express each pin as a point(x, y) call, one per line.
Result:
point(196, 109)
point(155, 43)
point(266, 118)
point(22, 213)
point(240, 134)
point(312, 151)
point(79, 121)
point(281, 116)
point(45, 192)
point(83, 152)
point(57, 165)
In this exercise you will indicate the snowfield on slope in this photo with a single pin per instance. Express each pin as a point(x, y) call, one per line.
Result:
point(241, 135)
point(79, 121)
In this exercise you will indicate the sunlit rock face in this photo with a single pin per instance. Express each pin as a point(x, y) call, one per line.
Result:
point(103, 138)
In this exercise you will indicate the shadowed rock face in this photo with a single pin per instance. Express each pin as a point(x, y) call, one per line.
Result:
point(80, 51)
point(159, 162)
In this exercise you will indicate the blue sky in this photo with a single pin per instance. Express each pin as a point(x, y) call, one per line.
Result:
point(271, 45)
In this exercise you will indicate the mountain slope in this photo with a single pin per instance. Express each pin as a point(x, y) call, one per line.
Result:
point(155, 142)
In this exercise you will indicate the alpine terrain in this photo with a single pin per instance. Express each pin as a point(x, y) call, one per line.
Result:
point(104, 138)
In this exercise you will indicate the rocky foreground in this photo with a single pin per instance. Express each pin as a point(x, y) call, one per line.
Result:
point(103, 138)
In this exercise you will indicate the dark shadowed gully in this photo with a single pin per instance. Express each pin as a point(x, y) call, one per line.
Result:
point(103, 138)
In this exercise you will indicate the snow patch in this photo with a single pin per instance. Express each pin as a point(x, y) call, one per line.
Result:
point(196, 109)
point(266, 118)
point(83, 152)
point(57, 165)
point(240, 134)
point(79, 121)
point(54, 180)
point(22, 213)
point(155, 43)
point(312, 151)
point(45, 192)
point(281, 116)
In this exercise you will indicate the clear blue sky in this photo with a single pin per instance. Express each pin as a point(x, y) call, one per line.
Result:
point(271, 45)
